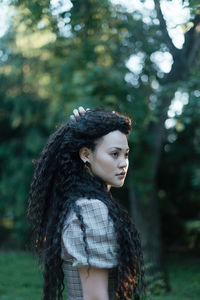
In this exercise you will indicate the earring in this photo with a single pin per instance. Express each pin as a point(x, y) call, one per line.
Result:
point(87, 164)
point(88, 168)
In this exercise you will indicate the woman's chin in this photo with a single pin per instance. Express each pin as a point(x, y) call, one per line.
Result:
point(117, 184)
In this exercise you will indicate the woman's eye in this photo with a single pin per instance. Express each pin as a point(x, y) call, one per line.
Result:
point(114, 154)
point(127, 154)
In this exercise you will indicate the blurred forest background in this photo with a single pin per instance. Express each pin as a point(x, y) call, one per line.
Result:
point(58, 55)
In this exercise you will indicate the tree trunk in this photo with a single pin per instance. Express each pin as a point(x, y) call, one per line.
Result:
point(142, 188)
point(145, 213)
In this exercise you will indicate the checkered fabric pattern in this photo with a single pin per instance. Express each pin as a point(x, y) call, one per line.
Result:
point(102, 247)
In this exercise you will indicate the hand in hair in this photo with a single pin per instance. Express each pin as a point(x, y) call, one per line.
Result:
point(77, 113)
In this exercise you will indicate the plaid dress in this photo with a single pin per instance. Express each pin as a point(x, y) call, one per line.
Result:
point(102, 247)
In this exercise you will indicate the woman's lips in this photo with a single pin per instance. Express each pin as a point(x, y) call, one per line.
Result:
point(121, 175)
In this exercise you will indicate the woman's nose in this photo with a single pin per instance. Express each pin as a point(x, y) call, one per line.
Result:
point(123, 163)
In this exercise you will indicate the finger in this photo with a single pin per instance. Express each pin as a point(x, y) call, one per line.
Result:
point(87, 109)
point(72, 118)
point(81, 110)
point(76, 113)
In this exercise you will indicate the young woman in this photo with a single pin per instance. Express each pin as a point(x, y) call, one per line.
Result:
point(81, 231)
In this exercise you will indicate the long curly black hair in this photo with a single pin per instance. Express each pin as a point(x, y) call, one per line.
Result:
point(59, 180)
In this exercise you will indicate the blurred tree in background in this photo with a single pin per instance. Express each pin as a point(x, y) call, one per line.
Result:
point(179, 171)
point(23, 130)
point(55, 58)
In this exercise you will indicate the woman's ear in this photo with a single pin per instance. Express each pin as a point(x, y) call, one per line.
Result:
point(84, 154)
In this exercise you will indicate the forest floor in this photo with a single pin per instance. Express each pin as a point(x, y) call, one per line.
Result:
point(20, 278)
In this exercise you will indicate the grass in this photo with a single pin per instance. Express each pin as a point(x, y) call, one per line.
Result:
point(19, 277)
point(21, 280)
point(184, 277)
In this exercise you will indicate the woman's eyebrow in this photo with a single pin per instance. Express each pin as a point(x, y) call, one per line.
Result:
point(118, 148)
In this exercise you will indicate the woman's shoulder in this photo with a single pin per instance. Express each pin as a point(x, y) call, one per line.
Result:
point(91, 203)
point(93, 209)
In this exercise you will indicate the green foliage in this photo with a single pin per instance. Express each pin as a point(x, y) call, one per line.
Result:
point(26, 280)
point(44, 75)
point(156, 283)
point(22, 134)
point(20, 278)
point(52, 63)
point(192, 229)
point(184, 276)
point(179, 175)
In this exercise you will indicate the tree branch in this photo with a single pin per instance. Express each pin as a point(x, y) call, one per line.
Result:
point(192, 42)
point(163, 27)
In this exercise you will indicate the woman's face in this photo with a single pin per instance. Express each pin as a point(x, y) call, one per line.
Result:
point(109, 160)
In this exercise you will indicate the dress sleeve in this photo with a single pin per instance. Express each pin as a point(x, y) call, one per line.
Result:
point(100, 236)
